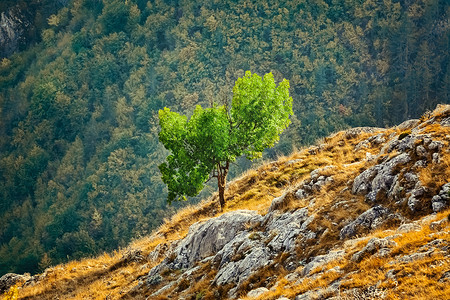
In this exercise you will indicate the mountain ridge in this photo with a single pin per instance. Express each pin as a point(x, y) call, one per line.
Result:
point(362, 214)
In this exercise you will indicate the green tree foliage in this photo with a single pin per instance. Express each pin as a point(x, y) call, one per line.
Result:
point(204, 146)
point(79, 149)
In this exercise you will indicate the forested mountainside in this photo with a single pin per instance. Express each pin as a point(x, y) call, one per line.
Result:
point(78, 110)
point(363, 214)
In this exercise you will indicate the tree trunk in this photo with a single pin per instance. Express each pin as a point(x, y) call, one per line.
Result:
point(221, 191)
point(222, 172)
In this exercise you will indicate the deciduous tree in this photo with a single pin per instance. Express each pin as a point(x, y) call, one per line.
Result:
point(204, 146)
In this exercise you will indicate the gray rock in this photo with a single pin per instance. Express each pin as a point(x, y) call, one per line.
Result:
point(445, 122)
point(288, 227)
point(164, 289)
point(379, 177)
point(257, 292)
point(420, 164)
point(415, 256)
point(313, 150)
point(411, 178)
point(363, 182)
point(371, 219)
point(310, 295)
point(421, 151)
point(10, 279)
point(154, 280)
point(408, 227)
point(439, 225)
point(372, 247)
point(356, 131)
point(362, 145)
point(294, 161)
point(300, 194)
point(391, 274)
point(438, 206)
point(158, 252)
point(370, 156)
point(240, 243)
point(377, 139)
point(445, 191)
point(237, 271)
point(433, 245)
point(277, 203)
point(207, 238)
point(409, 124)
point(436, 145)
point(322, 260)
point(445, 277)
point(436, 158)
point(414, 202)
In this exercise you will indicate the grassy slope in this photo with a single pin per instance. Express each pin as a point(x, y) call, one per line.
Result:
point(116, 275)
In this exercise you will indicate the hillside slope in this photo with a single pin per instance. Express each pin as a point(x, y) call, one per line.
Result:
point(79, 105)
point(364, 214)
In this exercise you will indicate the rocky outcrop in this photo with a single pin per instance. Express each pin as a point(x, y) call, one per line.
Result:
point(230, 244)
point(13, 25)
point(374, 245)
point(205, 239)
point(442, 200)
point(10, 279)
point(371, 219)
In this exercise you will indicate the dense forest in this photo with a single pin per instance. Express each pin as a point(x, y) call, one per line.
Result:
point(78, 106)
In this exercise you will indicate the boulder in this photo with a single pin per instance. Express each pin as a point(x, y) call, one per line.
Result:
point(371, 219)
point(207, 238)
point(257, 292)
point(372, 247)
point(354, 132)
point(10, 279)
point(409, 124)
point(286, 228)
point(277, 203)
point(322, 260)
point(379, 177)
point(408, 227)
point(239, 270)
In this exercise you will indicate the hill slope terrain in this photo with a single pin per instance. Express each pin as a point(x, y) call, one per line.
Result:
point(364, 214)
point(82, 81)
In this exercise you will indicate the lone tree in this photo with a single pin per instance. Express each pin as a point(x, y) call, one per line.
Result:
point(203, 146)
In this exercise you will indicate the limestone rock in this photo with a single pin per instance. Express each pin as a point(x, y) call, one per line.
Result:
point(10, 279)
point(288, 227)
point(354, 132)
point(321, 260)
point(237, 271)
point(414, 202)
point(439, 225)
point(409, 124)
point(408, 227)
point(379, 177)
point(372, 247)
point(277, 203)
point(371, 219)
point(257, 292)
point(207, 238)
point(441, 201)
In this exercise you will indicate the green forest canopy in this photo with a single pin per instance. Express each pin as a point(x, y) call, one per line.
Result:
point(78, 109)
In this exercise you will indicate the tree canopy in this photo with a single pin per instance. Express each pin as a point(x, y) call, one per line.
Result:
point(203, 146)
